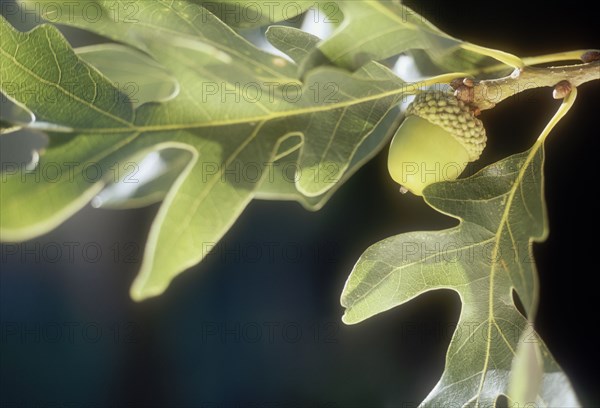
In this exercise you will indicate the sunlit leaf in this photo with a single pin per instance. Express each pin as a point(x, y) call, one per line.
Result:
point(376, 30)
point(232, 133)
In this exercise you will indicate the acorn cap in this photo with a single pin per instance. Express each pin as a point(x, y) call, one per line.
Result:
point(444, 110)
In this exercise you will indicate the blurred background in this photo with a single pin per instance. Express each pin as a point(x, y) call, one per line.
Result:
point(257, 323)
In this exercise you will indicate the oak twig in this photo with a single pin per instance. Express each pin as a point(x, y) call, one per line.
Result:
point(482, 95)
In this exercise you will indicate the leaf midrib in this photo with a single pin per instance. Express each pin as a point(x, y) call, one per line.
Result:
point(259, 118)
point(498, 236)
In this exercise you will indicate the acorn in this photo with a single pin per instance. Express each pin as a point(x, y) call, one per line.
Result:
point(436, 141)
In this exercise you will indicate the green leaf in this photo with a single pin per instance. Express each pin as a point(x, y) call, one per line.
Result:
point(376, 30)
point(295, 43)
point(54, 83)
point(139, 77)
point(231, 136)
point(165, 28)
point(484, 259)
point(40, 71)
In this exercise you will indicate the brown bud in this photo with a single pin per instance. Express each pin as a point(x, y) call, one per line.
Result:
point(456, 83)
point(469, 82)
point(465, 94)
point(590, 56)
point(562, 89)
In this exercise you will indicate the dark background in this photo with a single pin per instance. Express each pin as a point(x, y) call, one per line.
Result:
point(241, 331)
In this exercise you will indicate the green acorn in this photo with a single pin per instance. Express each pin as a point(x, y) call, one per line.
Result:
point(436, 141)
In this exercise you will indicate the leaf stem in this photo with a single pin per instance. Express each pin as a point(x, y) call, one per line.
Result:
point(556, 57)
point(504, 57)
point(566, 105)
point(574, 55)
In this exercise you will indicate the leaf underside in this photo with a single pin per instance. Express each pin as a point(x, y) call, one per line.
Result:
point(484, 259)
